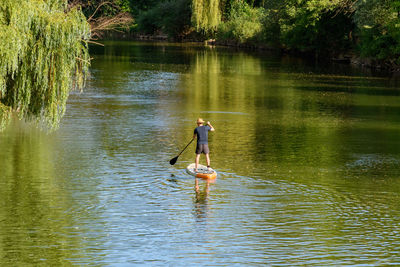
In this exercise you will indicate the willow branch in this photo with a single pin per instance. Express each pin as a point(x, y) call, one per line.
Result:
point(93, 42)
point(110, 23)
point(97, 9)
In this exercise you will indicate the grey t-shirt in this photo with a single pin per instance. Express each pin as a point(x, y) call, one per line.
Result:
point(202, 134)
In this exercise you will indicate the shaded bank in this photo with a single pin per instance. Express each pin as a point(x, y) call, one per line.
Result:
point(345, 57)
point(366, 33)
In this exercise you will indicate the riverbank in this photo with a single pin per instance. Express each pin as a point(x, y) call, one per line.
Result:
point(348, 57)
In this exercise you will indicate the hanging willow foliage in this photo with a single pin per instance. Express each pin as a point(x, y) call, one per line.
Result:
point(206, 14)
point(43, 55)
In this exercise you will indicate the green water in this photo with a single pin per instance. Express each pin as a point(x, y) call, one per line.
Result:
point(307, 154)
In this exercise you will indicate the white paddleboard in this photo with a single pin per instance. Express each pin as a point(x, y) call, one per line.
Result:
point(202, 171)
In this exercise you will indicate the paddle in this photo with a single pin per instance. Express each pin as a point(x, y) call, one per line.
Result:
point(173, 161)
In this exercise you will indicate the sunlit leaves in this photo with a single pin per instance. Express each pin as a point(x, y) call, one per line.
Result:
point(43, 55)
point(243, 24)
point(206, 14)
point(377, 22)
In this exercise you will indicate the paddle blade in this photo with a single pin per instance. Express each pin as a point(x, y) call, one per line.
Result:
point(173, 161)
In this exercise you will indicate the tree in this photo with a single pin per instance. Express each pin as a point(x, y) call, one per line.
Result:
point(310, 26)
point(378, 24)
point(139, 6)
point(104, 15)
point(43, 55)
point(243, 24)
point(171, 17)
point(206, 15)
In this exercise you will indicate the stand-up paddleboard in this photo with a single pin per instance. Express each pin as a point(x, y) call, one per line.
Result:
point(202, 172)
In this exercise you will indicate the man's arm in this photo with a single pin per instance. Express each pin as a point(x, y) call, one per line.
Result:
point(209, 124)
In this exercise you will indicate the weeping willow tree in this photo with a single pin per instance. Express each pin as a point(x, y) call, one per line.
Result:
point(43, 55)
point(206, 15)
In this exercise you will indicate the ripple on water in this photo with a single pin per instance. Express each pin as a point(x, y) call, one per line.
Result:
point(302, 179)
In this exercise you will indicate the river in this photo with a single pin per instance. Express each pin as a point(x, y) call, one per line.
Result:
point(307, 154)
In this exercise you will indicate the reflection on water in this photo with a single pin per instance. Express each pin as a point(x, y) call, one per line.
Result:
point(307, 158)
point(34, 213)
point(201, 199)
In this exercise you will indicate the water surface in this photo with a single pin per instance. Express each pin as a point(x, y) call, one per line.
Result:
point(307, 155)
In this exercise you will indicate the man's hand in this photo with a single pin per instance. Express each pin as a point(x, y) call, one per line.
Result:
point(209, 124)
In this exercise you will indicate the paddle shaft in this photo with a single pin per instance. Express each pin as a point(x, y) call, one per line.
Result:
point(185, 147)
point(173, 161)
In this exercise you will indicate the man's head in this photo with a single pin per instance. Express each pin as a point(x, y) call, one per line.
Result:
point(200, 121)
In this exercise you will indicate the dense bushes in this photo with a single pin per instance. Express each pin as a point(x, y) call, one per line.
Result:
point(372, 28)
point(244, 23)
point(327, 34)
point(378, 29)
point(171, 17)
point(43, 55)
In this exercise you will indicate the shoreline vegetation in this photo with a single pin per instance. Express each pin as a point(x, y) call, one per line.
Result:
point(359, 32)
point(347, 57)
point(43, 56)
point(44, 49)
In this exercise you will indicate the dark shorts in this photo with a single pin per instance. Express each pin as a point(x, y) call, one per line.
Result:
point(202, 148)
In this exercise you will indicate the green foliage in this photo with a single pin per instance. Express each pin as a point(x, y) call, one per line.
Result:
point(323, 26)
point(329, 33)
point(312, 26)
point(308, 25)
point(43, 55)
point(378, 25)
point(206, 15)
point(148, 21)
point(244, 23)
point(139, 6)
point(176, 17)
point(107, 8)
point(271, 33)
point(172, 17)
point(125, 5)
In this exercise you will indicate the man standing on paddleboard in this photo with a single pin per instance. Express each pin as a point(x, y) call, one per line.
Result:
point(201, 132)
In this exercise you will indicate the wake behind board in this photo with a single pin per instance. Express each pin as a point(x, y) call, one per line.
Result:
point(202, 172)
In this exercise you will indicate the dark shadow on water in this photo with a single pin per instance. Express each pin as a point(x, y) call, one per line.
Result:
point(364, 90)
point(175, 179)
point(172, 179)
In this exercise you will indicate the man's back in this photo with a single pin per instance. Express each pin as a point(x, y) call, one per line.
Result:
point(202, 134)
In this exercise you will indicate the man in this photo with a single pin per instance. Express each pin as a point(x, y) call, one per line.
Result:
point(201, 133)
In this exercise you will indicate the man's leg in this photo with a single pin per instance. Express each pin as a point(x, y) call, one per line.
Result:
point(196, 162)
point(208, 160)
